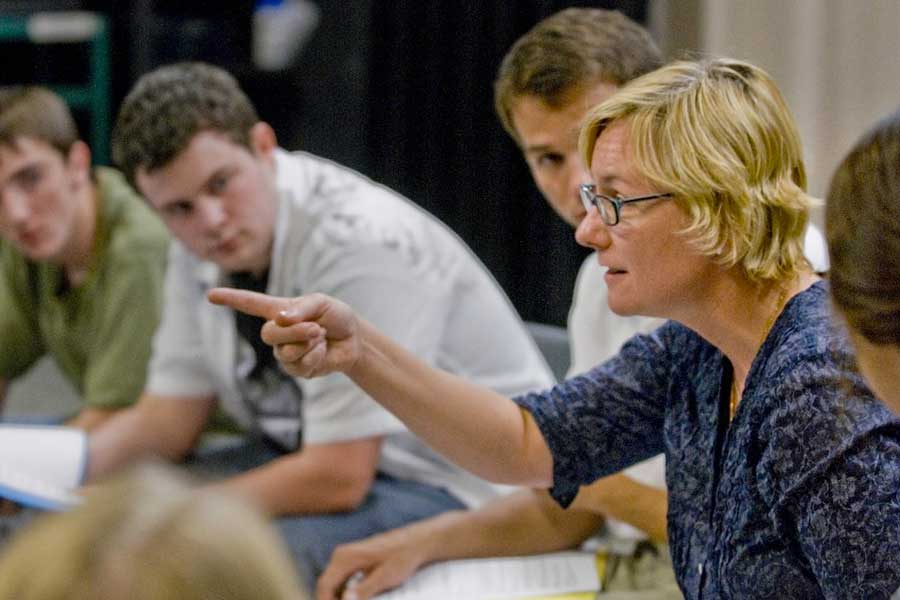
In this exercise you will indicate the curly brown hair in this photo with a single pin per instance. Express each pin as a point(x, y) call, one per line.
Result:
point(168, 106)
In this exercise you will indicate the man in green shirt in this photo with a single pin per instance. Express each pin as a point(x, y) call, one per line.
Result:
point(82, 259)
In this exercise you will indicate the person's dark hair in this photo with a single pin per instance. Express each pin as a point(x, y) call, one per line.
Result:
point(573, 48)
point(863, 231)
point(169, 106)
point(36, 112)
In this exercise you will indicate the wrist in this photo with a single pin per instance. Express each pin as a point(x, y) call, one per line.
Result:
point(367, 351)
point(440, 540)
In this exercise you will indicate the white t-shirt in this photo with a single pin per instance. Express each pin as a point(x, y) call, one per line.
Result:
point(341, 234)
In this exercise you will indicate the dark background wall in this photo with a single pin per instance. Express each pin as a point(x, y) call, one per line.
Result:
point(401, 91)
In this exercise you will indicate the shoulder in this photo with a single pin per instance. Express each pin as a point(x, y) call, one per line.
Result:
point(337, 213)
point(669, 355)
point(816, 410)
point(679, 344)
point(132, 227)
point(807, 348)
point(322, 185)
point(805, 326)
point(669, 350)
point(14, 267)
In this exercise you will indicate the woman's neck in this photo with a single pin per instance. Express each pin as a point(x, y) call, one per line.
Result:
point(735, 315)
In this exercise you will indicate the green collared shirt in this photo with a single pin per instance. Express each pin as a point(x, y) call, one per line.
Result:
point(99, 332)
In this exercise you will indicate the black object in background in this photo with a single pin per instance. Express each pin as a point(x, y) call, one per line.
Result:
point(399, 90)
point(433, 135)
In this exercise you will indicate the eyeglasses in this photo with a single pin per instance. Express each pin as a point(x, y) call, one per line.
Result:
point(609, 208)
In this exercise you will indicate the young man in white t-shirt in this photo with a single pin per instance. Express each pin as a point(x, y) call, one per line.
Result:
point(334, 466)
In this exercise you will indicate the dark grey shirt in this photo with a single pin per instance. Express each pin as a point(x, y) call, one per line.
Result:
point(799, 497)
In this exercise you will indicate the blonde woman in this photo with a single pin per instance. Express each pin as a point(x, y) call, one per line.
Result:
point(782, 482)
point(146, 537)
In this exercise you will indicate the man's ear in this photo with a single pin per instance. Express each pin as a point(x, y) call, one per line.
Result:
point(78, 161)
point(263, 140)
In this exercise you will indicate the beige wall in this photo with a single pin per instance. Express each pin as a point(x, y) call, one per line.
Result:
point(836, 61)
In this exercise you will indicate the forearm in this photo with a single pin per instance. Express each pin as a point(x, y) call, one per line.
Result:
point(296, 485)
point(121, 441)
point(621, 497)
point(165, 428)
point(90, 418)
point(477, 428)
point(522, 523)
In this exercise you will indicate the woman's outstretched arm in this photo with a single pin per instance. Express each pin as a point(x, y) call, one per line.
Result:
point(480, 430)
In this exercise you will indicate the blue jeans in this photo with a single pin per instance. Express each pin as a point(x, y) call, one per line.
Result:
point(311, 539)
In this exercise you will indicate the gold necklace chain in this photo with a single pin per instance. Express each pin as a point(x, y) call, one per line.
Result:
point(770, 321)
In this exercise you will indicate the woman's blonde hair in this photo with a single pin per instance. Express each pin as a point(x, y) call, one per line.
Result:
point(719, 136)
point(145, 537)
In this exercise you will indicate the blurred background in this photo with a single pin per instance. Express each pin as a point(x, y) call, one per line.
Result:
point(402, 90)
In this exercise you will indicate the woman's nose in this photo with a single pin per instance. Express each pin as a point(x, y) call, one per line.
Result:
point(592, 232)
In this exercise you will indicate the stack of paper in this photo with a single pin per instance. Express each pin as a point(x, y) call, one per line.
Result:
point(41, 466)
point(531, 577)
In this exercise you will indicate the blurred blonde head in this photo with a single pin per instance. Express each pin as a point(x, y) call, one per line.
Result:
point(719, 136)
point(149, 536)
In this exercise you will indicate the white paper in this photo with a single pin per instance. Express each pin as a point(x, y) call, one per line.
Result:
point(41, 466)
point(502, 578)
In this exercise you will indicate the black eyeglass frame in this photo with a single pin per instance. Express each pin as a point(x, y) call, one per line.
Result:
point(590, 198)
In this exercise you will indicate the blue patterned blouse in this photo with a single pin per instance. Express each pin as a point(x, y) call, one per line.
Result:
point(799, 497)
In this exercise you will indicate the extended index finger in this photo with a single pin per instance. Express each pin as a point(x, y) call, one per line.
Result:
point(252, 303)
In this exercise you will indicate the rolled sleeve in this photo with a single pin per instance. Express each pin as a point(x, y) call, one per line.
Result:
point(605, 420)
